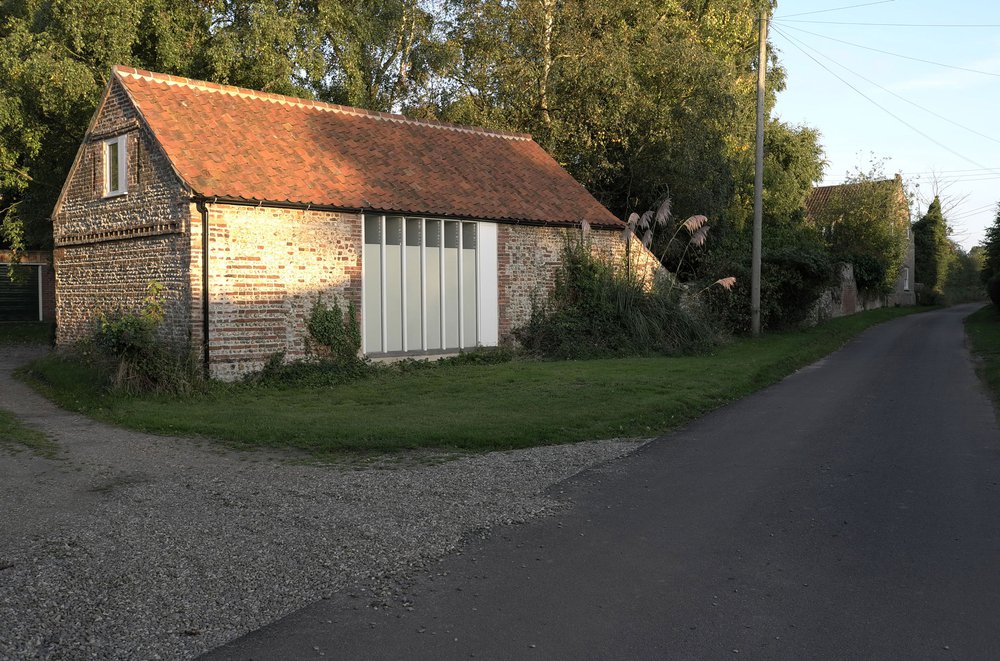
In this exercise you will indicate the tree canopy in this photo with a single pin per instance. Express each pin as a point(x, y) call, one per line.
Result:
point(932, 250)
point(636, 99)
point(866, 223)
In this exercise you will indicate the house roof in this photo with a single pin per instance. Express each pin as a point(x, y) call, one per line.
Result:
point(821, 196)
point(235, 143)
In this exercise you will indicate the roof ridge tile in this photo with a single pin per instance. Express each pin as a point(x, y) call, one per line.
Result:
point(204, 85)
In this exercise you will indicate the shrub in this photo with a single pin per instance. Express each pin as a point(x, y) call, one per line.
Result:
point(597, 310)
point(334, 335)
point(795, 270)
point(133, 358)
point(993, 289)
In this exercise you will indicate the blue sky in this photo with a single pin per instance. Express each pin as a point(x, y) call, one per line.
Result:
point(959, 104)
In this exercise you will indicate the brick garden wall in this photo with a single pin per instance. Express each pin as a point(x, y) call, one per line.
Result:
point(528, 259)
point(266, 268)
point(108, 249)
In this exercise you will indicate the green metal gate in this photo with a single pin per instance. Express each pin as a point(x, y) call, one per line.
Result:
point(19, 298)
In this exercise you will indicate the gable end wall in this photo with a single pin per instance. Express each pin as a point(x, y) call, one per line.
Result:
point(108, 249)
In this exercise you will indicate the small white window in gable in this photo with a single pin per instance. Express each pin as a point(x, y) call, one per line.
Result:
point(906, 278)
point(115, 165)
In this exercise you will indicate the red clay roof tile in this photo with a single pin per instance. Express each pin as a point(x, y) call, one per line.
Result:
point(235, 143)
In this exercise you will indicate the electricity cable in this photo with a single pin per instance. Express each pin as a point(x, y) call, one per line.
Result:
point(898, 96)
point(885, 52)
point(823, 11)
point(877, 104)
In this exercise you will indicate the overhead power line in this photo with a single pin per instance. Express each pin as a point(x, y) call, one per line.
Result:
point(893, 25)
point(823, 11)
point(899, 119)
point(900, 55)
point(898, 96)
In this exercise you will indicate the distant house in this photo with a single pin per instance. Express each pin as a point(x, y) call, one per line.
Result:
point(247, 206)
point(846, 299)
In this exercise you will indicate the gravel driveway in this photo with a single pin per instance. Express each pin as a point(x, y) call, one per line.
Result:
point(131, 545)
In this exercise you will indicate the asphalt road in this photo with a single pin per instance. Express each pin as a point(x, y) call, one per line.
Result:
point(850, 512)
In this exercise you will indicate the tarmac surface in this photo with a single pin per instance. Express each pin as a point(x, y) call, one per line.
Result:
point(850, 511)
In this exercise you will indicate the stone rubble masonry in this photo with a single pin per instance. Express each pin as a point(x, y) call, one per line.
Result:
point(108, 249)
point(529, 259)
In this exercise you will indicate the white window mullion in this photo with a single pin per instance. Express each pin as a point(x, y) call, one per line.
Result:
point(423, 284)
point(384, 297)
point(444, 303)
point(364, 288)
point(479, 307)
point(402, 279)
point(461, 282)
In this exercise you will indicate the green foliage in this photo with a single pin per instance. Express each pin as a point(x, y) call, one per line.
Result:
point(681, 77)
point(55, 59)
point(866, 224)
point(598, 309)
point(795, 270)
point(129, 351)
point(932, 252)
point(991, 250)
point(963, 284)
point(993, 289)
point(334, 335)
point(983, 329)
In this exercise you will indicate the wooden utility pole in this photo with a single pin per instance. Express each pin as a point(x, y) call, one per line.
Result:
point(758, 180)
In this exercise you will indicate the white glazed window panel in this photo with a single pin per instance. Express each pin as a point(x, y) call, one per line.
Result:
point(428, 285)
point(413, 284)
point(372, 313)
point(451, 285)
point(470, 287)
point(115, 165)
point(432, 274)
point(393, 289)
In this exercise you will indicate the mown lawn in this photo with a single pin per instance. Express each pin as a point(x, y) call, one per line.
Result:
point(983, 328)
point(477, 407)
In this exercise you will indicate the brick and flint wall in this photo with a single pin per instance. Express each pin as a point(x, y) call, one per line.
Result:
point(529, 257)
point(107, 249)
point(267, 268)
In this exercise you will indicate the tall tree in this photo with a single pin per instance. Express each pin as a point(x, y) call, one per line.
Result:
point(636, 98)
point(991, 250)
point(932, 250)
point(55, 59)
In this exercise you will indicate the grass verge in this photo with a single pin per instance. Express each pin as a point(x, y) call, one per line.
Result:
point(14, 437)
point(27, 332)
point(983, 329)
point(475, 407)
